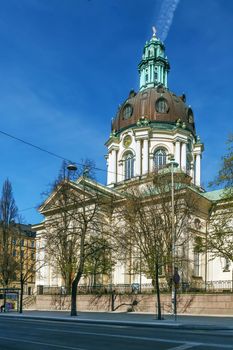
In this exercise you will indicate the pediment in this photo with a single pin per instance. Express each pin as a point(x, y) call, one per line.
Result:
point(65, 195)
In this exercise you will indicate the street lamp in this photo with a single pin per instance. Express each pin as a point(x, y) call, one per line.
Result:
point(175, 276)
point(72, 167)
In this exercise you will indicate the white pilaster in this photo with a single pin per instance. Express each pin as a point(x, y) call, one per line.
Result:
point(114, 166)
point(192, 172)
point(138, 157)
point(177, 152)
point(108, 173)
point(183, 157)
point(145, 156)
point(198, 170)
point(109, 163)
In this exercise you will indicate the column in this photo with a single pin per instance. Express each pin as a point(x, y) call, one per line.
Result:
point(162, 75)
point(114, 167)
point(198, 170)
point(177, 153)
point(145, 156)
point(192, 172)
point(138, 157)
point(109, 165)
point(165, 83)
point(142, 78)
point(183, 157)
point(159, 74)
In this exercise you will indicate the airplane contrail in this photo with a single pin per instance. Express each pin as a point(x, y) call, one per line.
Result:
point(165, 17)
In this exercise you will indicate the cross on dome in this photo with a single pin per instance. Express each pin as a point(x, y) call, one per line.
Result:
point(154, 30)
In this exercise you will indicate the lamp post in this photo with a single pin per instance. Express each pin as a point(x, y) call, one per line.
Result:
point(175, 276)
point(72, 168)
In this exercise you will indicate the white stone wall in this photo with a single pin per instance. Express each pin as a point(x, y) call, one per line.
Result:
point(145, 141)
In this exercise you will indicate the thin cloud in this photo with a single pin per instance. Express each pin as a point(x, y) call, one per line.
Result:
point(165, 18)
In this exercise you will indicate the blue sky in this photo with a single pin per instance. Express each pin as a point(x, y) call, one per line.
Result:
point(65, 66)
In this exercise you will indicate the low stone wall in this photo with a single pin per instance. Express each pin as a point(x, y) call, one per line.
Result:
point(211, 304)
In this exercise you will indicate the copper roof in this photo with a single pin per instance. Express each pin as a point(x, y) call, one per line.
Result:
point(144, 104)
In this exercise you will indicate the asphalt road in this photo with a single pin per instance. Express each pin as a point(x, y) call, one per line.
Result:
point(26, 334)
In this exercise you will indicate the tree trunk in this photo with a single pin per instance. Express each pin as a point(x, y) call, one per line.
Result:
point(74, 297)
point(74, 294)
point(4, 300)
point(159, 314)
point(113, 300)
point(21, 297)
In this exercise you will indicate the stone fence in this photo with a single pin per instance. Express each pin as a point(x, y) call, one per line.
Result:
point(197, 304)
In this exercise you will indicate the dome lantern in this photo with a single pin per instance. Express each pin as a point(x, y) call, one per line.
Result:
point(154, 66)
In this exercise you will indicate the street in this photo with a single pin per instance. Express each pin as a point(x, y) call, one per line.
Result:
point(27, 334)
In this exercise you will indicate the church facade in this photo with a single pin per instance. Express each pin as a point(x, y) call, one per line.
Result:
point(153, 128)
point(152, 124)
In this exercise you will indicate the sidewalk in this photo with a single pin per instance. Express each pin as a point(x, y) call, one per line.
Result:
point(132, 319)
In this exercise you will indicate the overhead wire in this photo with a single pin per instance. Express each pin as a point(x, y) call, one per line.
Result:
point(51, 154)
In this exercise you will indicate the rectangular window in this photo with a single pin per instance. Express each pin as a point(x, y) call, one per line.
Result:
point(32, 244)
point(226, 267)
point(196, 264)
point(22, 242)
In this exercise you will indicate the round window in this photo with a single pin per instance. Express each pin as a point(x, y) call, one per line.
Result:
point(127, 112)
point(161, 105)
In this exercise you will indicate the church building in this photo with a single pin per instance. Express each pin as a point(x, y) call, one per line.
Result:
point(153, 128)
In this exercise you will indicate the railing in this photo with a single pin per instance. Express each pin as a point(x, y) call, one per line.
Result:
point(147, 288)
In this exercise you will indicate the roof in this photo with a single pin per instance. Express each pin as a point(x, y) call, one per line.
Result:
point(27, 230)
point(214, 195)
point(144, 105)
point(82, 185)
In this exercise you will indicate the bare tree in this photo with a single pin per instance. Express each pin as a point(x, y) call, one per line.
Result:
point(219, 241)
point(100, 262)
point(28, 265)
point(225, 174)
point(74, 224)
point(146, 225)
point(8, 216)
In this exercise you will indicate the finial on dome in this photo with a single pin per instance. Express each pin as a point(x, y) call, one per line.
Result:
point(154, 31)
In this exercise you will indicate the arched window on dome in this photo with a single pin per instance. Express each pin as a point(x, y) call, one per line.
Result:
point(161, 105)
point(129, 165)
point(160, 158)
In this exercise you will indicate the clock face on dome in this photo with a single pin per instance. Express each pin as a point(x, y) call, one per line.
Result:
point(127, 141)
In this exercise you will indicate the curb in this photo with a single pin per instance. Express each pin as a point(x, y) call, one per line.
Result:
point(158, 324)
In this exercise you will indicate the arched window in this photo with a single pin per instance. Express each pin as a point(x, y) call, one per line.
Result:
point(160, 158)
point(129, 166)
